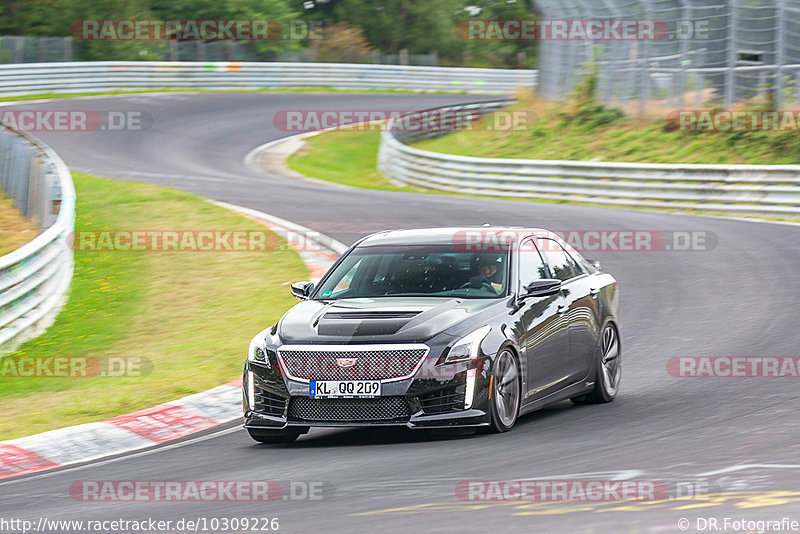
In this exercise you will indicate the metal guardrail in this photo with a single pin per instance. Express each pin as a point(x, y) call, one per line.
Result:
point(35, 278)
point(738, 189)
point(77, 77)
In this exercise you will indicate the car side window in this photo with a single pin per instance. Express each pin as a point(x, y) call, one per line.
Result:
point(561, 264)
point(577, 265)
point(587, 267)
point(346, 281)
point(531, 265)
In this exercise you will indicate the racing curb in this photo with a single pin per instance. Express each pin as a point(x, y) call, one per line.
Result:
point(164, 422)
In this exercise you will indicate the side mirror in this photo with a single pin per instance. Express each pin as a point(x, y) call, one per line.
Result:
point(542, 288)
point(302, 290)
point(594, 263)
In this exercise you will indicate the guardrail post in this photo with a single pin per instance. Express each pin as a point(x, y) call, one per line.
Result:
point(34, 189)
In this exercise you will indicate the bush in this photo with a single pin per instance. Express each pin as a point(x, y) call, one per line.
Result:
point(343, 43)
point(582, 106)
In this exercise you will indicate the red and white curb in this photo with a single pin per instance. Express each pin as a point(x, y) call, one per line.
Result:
point(168, 421)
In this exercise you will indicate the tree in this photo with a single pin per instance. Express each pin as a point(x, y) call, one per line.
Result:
point(344, 43)
point(277, 10)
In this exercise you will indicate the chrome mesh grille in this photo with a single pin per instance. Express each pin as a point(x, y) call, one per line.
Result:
point(380, 364)
point(381, 409)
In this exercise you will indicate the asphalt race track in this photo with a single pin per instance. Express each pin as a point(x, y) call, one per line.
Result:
point(738, 299)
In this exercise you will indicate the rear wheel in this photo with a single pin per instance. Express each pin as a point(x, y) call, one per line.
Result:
point(275, 436)
point(504, 393)
point(608, 372)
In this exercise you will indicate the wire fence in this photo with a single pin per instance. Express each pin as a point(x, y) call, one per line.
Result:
point(711, 52)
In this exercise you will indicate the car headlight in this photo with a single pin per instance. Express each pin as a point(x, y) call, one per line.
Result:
point(467, 347)
point(256, 351)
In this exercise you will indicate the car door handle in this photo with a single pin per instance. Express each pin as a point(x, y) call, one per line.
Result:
point(562, 309)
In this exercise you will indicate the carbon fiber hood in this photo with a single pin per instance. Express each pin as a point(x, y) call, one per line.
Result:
point(400, 319)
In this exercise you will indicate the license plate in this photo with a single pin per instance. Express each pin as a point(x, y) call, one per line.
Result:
point(344, 388)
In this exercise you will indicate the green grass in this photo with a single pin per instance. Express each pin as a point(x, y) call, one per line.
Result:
point(191, 314)
point(346, 157)
point(595, 133)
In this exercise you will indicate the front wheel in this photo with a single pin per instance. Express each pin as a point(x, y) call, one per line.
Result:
point(504, 392)
point(609, 370)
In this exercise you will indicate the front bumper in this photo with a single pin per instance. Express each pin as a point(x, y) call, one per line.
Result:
point(273, 401)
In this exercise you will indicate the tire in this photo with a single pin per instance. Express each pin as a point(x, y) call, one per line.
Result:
point(608, 370)
point(275, 436)
point(505, 392)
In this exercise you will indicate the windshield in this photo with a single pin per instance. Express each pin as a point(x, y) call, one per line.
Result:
point(413, 271)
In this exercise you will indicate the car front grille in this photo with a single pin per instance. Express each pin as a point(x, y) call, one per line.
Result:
point(443, 401)
point(380, 409)
point(351, 362)
point(268, 403)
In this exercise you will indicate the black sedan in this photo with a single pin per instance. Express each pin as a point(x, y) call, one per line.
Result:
point(437, 328)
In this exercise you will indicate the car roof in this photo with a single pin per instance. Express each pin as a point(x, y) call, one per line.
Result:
point(442, 236)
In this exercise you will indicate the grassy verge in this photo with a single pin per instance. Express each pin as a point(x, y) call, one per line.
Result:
point(346, 156)
point(595, 133)
point(191, 314)
point(15, 230)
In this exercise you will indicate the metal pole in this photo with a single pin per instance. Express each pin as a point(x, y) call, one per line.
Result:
point(618, 51)
point(698, 95)
point(645, 62)
point(730, 90)
point(779, 52)
point(684, 44)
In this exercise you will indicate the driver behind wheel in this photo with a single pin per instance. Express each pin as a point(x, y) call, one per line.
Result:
point(489, 272)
